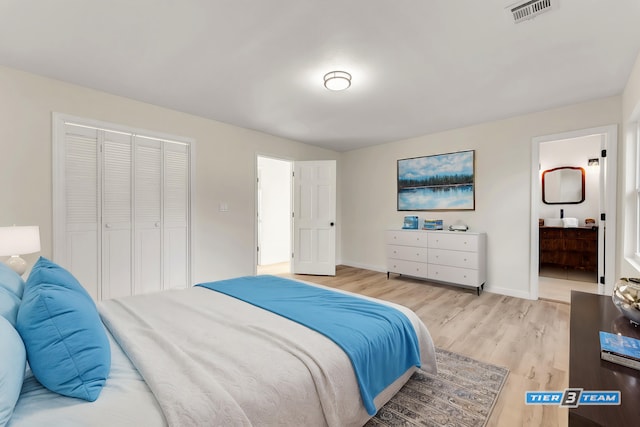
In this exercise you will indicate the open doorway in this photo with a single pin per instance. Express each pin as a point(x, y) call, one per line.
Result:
point(569, 256)
point(273, 215)
point(573, 240)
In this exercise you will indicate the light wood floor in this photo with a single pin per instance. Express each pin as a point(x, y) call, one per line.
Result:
point(556, 284)
point(531, 338)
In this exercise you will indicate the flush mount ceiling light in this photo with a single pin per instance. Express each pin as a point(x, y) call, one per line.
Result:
point(337, 80)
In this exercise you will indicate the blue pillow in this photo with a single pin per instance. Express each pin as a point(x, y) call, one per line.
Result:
point(11, 280)
point(11, 289)
point(67, 347)
point(9, 304)
point(13, 360)
point(46, 271)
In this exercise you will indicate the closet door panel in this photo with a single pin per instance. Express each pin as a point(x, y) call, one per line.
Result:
point(176, 215)
point(148, 215)
point(81, 207)
point(176, 252)
point(116, 216)
point(82, 257)
point(116, 263)
point(148, 265)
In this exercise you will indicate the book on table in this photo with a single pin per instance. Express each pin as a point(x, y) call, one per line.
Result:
point(620, 349)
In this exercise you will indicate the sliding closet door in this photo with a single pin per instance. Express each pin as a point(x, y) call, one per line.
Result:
point(122, 208)
point(78, 185)
point(176, 215)
point(116, 216)
point(148, 215)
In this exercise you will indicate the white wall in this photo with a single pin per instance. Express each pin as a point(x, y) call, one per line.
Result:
point(225, 171)
point(225, 244)
point(503, 188)
point(573, 152)
point(275, 210)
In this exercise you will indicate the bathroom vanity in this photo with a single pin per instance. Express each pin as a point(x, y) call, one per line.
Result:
point(572, 248)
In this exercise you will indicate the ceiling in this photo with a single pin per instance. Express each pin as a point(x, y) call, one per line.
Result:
point(418, 66)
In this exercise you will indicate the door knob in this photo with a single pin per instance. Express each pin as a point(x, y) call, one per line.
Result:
point(331, 224)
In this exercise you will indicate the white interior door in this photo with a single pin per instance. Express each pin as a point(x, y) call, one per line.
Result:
point(314, 216)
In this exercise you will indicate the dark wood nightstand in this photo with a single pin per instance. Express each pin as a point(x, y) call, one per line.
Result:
point(591, 313)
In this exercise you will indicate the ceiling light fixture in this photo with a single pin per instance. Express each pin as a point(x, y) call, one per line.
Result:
point(337, 80)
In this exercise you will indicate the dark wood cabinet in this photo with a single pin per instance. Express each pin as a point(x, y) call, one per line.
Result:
point(574, 248)
point(591, 314)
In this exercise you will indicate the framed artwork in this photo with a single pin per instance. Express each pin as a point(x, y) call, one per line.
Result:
point(437, 183)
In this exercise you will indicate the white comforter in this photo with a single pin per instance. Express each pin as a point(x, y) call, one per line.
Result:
point(214, 360)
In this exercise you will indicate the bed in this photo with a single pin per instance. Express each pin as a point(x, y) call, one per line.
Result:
point(200, 356)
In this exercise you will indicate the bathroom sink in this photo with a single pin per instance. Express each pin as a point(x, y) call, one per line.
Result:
point(561, 222)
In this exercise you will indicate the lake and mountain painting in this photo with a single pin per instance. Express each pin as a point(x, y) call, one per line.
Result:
point(440, 182)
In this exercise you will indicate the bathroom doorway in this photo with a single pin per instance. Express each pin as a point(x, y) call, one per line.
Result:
point(273, 215)
point(570, 238)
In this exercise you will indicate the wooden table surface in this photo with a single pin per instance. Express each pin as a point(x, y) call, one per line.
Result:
point(590, 314)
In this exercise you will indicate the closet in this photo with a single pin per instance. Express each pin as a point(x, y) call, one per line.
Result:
point(121, 209)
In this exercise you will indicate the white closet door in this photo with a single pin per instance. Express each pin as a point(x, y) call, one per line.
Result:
point(148, 218)
point(176, 215)
point(116, 216)
point(121, 208)
point(81, 253)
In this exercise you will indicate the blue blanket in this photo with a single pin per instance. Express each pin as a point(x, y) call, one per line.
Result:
point(379, 340)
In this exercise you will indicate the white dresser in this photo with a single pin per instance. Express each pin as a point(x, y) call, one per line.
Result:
point(443, 256)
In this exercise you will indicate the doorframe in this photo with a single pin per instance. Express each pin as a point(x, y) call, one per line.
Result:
point(610, 133)
point(256, 240)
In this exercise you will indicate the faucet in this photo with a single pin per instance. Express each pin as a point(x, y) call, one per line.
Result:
point(561, 213)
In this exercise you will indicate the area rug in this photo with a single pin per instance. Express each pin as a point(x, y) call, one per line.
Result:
point(462, 393)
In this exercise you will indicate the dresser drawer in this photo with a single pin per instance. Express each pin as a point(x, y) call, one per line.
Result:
point(453, 258)
point(451, 241)
point(407, 238)
point(409, 253)
point(410, 268)
point(462, 276)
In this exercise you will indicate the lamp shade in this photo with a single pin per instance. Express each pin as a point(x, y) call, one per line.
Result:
point(19, 240)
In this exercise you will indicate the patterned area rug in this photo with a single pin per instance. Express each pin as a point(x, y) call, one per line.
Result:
point(462, 393)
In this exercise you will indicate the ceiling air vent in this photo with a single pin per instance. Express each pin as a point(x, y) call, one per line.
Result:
point(524, 10)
